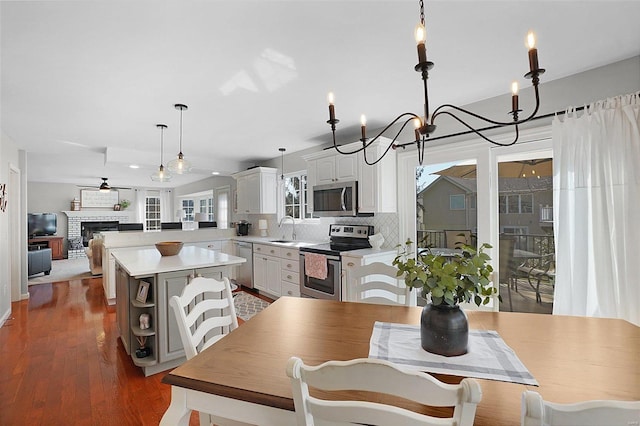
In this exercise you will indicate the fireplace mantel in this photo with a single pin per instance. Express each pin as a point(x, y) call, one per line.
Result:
point(96, 213)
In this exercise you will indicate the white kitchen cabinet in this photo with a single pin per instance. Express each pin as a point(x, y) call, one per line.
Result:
point(377, 188)
point(336, 168)
point(266, 274)
point(276, 270)
point(350, 262)
point(256, 190)
point(376, 184)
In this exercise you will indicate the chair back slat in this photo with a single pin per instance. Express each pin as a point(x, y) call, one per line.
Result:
point(379, 283)
point(380, 376)
point(538, 412)
point(206, 304)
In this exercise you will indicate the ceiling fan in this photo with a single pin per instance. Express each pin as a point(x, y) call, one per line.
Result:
point(104, 186)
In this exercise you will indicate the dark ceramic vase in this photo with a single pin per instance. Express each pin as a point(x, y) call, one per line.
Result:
point(444, 330)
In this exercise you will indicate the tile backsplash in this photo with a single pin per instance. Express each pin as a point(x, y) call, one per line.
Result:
point(318, 230)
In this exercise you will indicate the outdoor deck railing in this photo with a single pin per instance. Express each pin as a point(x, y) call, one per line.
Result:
point(540, 244)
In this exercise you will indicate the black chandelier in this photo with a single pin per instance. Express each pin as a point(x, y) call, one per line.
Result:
point(425, 126)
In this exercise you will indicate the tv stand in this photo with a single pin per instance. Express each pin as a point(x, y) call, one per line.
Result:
point(53, 242)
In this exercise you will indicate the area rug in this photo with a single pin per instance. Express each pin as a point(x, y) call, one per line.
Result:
point(247, 305)
point(64, 270)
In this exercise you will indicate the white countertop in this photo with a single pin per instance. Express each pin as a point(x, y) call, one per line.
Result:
point(139, 261)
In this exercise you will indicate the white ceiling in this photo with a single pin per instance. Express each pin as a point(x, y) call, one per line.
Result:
point(85, 82)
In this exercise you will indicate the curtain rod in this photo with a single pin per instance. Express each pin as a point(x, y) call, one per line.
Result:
point(451, 135)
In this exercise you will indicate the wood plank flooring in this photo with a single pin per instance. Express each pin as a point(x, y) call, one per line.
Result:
point(61, 363)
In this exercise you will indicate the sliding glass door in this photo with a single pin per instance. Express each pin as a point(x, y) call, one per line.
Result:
point(458, 196)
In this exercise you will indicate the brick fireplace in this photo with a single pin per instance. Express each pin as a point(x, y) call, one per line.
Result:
point(74, 227)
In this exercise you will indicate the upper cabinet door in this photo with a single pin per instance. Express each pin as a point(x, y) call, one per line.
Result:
point(325, 170)
point(346, 167)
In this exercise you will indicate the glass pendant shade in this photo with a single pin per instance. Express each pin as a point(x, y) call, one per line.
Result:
point(180, 165)
point(161, 175)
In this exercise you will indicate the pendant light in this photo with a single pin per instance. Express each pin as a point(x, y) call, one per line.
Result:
point(282, 151)
point(161, 175)
point(180, 165)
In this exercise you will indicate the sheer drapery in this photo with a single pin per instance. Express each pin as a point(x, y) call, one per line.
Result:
point(140, 206)
point(166, 205)
point(596, 210)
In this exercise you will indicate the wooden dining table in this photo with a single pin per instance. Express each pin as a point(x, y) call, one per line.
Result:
point(242, 377)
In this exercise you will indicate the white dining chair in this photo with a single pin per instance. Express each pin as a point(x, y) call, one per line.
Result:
point(376, 375)
point(379, 283)
point(205, 313)
point(538, 412)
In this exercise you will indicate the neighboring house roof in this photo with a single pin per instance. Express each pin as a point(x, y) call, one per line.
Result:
point(466, 185)
point(506, 185)
point(544, 183)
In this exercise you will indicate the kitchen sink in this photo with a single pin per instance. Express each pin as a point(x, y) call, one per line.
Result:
point(292, 243)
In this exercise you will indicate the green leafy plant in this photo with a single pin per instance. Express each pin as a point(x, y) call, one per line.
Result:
point(125, 203)
point(449, 280)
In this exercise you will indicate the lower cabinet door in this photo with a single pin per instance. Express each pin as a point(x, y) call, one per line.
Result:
point(169, 342)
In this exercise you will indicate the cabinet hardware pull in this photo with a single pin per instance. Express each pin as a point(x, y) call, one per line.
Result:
point(289, 276)
point(350, 264)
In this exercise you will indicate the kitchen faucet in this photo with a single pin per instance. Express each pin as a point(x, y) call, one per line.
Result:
point(293, 222)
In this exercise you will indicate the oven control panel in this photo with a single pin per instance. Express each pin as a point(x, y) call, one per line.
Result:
point(350, 231)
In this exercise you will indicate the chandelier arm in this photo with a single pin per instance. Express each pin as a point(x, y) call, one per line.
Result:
point(367, 144)
point(393, 141)
point(488, 120)
point(483, 136)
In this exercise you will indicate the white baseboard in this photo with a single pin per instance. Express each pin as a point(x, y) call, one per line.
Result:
point(5, 317)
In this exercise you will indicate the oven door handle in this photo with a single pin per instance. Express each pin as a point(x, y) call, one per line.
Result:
point(329, 257)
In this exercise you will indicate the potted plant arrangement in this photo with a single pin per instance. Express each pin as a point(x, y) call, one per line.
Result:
point(124, 204)
point(446, 281)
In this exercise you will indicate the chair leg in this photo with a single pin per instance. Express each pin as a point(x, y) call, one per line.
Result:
point(509, 292)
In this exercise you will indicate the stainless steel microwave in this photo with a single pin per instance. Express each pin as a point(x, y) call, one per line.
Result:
point(336, 199)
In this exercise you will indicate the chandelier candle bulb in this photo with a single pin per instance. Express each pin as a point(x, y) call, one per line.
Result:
point(332, 113)
point(363, 127)
point(417, 124)
point(421, 39)
point(533, 52)
point(514, 96)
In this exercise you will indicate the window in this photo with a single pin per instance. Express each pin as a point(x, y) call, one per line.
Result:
point(222, 202)
point(516, 203)
point(187, 208)
point(152, 213)
point(295, 195)
point(206, 207)
point(456, 202)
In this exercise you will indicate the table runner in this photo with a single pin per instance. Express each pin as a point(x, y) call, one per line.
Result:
point(488, 356)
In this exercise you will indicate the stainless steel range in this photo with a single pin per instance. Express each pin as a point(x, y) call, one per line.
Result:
point(343, 238)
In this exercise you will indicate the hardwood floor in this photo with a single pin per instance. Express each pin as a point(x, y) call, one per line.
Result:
point(61, 362)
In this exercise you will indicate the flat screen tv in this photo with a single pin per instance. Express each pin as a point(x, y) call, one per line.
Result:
point(42, 224)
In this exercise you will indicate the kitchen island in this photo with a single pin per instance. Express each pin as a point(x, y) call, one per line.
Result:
point(145, 281)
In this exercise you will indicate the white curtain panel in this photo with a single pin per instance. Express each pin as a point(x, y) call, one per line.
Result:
point(140, 205)
point(597, 210)
point(166, 205)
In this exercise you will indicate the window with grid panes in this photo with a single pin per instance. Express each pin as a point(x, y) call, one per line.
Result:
point(187, 207)
point(152, 213)
point(295, 196)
